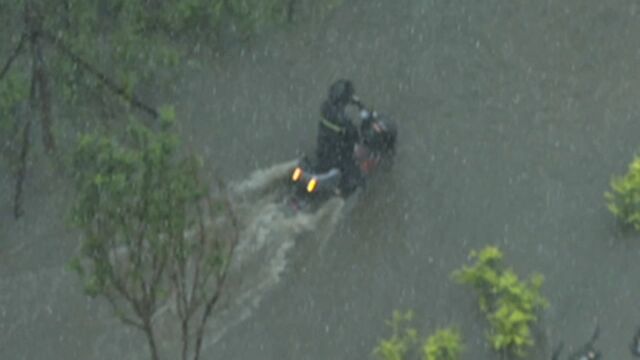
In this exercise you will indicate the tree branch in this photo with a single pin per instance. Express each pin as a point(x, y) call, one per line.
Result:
point(148, 330)
point(13, 55)
point(115, 278)
point(181, 287)
point(120, 314)
point(44, 95)
point(22, 170)
point(199, 256)
point(24, 151)
point(290, 10)
point(222, 275)
point(104, 79)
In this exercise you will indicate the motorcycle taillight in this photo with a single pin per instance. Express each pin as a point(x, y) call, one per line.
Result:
point(312, 185)
point(297, 174)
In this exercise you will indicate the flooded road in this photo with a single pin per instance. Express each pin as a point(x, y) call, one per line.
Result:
point(513, 116)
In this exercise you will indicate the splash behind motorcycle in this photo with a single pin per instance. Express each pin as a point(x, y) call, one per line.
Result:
point(374, 150)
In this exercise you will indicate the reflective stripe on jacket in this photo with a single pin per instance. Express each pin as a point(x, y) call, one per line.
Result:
point(331, 126)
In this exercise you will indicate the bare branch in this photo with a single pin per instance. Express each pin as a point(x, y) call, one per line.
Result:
point(22, 170)
point(199, 255)
point(184, 327)
point(120, 314)
point(115, 279)
point(44, 95)
point(148, 330)
point(182, 295)
point(13, 55)
point(230, 212)
point(222, 275)
point(290, 10)
point(24, 151)
point(104, 79)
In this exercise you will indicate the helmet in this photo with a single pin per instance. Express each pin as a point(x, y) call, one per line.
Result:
point(341, 92)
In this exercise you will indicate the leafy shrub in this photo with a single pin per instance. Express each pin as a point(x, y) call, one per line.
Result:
point(510, 304)
point(443, 345)
point(624, 199)
point(483, 275)
point(401, 340)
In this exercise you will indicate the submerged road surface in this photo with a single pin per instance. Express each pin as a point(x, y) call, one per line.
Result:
point(513, 117)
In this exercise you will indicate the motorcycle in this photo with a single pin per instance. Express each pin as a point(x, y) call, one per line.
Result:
point(374, 150)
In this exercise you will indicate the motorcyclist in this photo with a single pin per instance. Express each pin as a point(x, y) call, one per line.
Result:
point(337, 135)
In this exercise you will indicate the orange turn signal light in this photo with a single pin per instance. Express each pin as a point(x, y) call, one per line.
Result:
point(312, 185)
point(297, 174)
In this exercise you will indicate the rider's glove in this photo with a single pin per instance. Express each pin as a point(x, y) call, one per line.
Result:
point(356, 101)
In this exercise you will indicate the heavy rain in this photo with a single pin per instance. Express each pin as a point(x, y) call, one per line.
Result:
point(513, 119)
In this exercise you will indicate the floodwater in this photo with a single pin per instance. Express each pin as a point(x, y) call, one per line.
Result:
point(513, 116)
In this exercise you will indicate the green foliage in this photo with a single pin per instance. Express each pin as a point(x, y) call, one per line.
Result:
point(13, 92)
point(249, 15)
point(137, 44)
point(117, 38)
point(149, 228)
point(483, 275)
point(401, 340)
point(167, 115)
point(133, 197)
point(515, 312)
point(445, 344)
point(509, 303)
point(624, 198)
point(510, 329)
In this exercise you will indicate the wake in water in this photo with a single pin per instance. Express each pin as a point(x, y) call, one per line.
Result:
point(268, 232)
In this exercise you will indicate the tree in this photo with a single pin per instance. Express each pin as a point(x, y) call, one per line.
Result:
point(39, 35)
point(72, 56)
point(151, 230)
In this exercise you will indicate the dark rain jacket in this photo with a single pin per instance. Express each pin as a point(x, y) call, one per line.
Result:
point(337, 136)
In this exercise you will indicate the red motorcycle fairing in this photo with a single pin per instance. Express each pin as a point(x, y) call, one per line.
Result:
point(366, 160)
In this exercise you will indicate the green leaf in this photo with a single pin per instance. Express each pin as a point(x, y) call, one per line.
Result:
point(167, 116)
point(445, 344)
point(624, 199)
